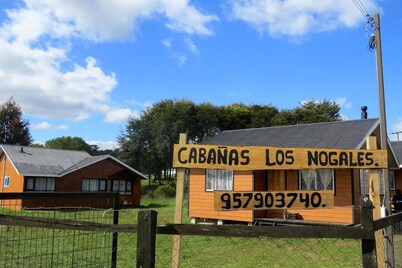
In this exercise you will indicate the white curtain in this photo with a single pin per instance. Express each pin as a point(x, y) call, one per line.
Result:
point(326, 178)
point(50, 184)
point(93, 185)
point(40, 184)
point(307, 179)
point(219, 179)
point(320, 179)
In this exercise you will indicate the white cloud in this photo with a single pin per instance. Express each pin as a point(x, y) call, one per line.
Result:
point(96, 20)
point(119, 115)
point(62, 127)
point(42, 125)
point(167, 43)
point(191, 46)
point(46, 126)
point(343, 102)
point(297, 18)
point(185, 18)
point(35, 42)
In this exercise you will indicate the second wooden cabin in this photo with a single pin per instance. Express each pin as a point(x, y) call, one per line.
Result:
point(348, 185)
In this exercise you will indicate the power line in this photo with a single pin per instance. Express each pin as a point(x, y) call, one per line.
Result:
point(361, 8)
point(370, 24)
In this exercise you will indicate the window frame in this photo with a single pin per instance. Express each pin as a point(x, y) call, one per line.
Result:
point(316, 170)
point(98, 184)
point(6, 181)
point(127, 188)
point(50, 184)
point(211, 186)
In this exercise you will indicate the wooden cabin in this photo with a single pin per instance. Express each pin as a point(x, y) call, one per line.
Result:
point(347, 185)
point(32, 169)
point(396, 174)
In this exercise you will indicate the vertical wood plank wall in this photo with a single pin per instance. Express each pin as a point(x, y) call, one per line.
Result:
point(201, 202)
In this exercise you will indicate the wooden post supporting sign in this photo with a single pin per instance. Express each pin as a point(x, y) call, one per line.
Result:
point(178, 214)
point(374, 196)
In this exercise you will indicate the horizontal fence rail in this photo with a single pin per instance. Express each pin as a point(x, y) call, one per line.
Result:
point(154, 241)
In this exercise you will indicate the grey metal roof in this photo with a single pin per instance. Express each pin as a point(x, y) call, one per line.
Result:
point(34, 161)
point(339, 134)
point(42, 161)
point(397, 149)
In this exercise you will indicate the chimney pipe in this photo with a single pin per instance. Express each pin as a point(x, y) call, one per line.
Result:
point(364, 112)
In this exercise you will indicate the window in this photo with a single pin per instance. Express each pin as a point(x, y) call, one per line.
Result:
point(6, 182)
point(319, 179)
point(391, 175)
point(124, 187)
point(219, 179)
point(93, 185)
point(41, 184)
point(365, 181)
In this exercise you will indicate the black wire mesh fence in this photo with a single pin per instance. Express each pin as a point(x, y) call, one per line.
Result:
point(27, 246)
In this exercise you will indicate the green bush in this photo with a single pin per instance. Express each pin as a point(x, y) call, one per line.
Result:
point(164, 191)
point(147, 191)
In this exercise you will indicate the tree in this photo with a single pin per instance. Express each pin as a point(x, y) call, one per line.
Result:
point(13, 129)
point(70, 143)
point(311, 111)
point(147, 142)
point(315, 111)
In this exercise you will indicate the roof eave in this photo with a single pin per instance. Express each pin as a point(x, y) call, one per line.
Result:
point(101, 159)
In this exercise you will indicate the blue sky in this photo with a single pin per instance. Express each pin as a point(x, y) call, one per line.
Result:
point(80, 68)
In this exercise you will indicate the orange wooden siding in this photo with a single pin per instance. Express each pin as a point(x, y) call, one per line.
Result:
point(201, 202)
point(343, 210)
point(16, 182)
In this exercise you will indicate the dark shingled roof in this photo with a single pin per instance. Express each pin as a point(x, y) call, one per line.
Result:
point(332, 135)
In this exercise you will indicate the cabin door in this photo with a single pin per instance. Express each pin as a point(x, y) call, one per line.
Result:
point(260, 185)
point(273, 180)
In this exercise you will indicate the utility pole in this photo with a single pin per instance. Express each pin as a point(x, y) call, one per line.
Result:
point(383, 122)
point(383, 137)
point(397, 134)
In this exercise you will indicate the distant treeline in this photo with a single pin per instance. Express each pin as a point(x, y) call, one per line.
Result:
point(147, 141)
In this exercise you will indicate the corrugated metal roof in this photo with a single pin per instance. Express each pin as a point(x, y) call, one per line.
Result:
point(397, 148)
point(34, 161)
point(339, 134)
point(42, 161)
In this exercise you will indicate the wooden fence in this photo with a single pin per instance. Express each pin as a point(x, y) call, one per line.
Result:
point(147, 231)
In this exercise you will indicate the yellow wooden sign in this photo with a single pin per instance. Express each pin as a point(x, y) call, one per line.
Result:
point(263, 158)
point(273, 200)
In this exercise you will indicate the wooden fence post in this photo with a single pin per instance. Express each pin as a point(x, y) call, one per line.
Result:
point(115, 235)
point(146, 238)
point(368, 245)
